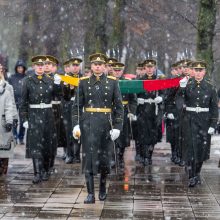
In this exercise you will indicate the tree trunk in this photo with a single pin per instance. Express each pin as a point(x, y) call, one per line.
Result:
point(95, 37)
point(205, 34)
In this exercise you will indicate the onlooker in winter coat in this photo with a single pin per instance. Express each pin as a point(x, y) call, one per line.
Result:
point(7, 115)
point(16, 81)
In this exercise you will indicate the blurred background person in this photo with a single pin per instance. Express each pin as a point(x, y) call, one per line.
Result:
point(8, 113)
point(16, 81)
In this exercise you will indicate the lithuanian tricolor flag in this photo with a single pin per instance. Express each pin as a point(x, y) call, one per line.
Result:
point(134, 86)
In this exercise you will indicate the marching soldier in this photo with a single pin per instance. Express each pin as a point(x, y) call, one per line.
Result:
point(51, 64)
point(100, 123)
point(140, 72)
point(73, 146)
point(147, 115)
point(38, 92)
point(129, 102)
point(171, 115)
point(183, 64)
point(200, 119)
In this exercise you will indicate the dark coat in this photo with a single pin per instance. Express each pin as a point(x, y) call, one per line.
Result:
point(196, 140)
point(172, 125)
point(147, 119)
point(95, 127)
point(16, 81)
point(129, 102)
point(41, 134)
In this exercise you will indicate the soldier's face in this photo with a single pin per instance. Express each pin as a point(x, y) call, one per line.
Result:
point(67, 69)
point(54, 68)
point(174, 72)
point(109, 68)
point(138, 71)
point(150, 70)
point(118, 73)
point(191, 73)
point(39, 68)
point(75, 68)
point(199, 74)
point(98, 68)
point(48, 67)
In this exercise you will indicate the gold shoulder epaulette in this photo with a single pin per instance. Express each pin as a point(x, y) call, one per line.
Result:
point(84, 77)
point(162, 76)
point(111, 77)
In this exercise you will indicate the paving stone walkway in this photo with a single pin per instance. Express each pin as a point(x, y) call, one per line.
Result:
point(156, 192)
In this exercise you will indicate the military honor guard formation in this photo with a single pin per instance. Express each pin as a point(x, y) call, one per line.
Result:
point(96, 113)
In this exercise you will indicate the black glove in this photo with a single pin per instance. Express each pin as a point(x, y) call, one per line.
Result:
point(15, 123)
point(8, 127)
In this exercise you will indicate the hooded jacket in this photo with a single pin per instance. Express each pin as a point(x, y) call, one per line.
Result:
point(16, 81)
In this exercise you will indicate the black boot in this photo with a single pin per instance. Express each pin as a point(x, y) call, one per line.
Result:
point(90, 188)
point(138, 155)
point(192, 175)
point(51, 165)
point(150, 153)
point(121, 163)
point(45, 173)
point(173, 153)
point(198, 170)
point(37, 164)
point(77, 153)
point(219, 163)
point(102, 187)
point(64, 153)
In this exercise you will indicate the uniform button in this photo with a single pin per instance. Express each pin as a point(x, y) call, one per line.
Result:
point(198, 91)
point(89, 87)
point(105, 100)
point(90, 93)
point(40, 81)
point(197, 98)
point(41, 94)
point(106, 81)
point(40, 87)
point(106, 93)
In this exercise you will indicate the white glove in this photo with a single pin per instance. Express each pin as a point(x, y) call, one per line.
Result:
point(114, 134)
point(131, 116)
point(25, 124)
point(158, 99)
point(140, 101)
point(57, 79)
point(76, 132)
point(170, 116)
point(211, 131)
point(183, 82)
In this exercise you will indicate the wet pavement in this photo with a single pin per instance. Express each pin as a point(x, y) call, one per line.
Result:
point(156, 192)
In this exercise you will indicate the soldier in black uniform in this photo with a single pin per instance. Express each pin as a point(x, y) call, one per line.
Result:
point(51, 64)
point(183, 64)
point(73, 146)
point(140, 72)
point(38, 92)
point(129, 102)
point(100, 123)
point(147, 115)
point(200, 119)
point(171, 115)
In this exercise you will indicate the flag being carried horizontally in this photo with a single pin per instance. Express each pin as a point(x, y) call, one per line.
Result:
point(134, 86)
